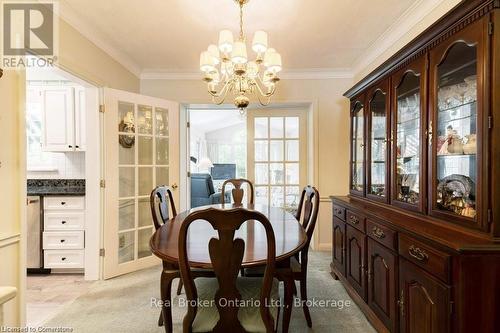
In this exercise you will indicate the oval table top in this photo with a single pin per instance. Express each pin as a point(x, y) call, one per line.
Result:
point(289, 234)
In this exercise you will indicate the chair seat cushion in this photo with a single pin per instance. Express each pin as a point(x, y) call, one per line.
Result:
point(259, 271)
point(249, 316)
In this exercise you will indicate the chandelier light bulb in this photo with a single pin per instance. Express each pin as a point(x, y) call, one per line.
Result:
point(259, 43)
point(239, 55)
point(226, 41)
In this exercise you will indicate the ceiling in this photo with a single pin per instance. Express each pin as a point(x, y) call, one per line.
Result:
point(168, 35)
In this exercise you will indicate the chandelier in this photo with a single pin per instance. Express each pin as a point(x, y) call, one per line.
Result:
point(228, 71)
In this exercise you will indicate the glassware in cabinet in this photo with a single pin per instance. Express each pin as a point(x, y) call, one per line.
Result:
point(357, 147)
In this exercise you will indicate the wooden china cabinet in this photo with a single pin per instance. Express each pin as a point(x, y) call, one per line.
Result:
point(417, 241)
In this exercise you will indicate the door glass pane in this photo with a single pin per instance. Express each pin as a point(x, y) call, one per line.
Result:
point(292, 127)
point(276, 127)
point(261, 173)
point(292, 173)
point(162, 176)
point(145, 218)
point(126, 182)
point(456, 131)
point(161, 121)
point(261, 128)
point(357, 147)
point(126, 242)
point(261, 152)
point(144, 119)
point(126, 214)
point(277, 196)
point(145, 181)
point(292, 197)
point(161, 151)
point(143, 243)
point(126, 117)
point(261, 195)
point(126, 150)
point(276, 150)
point(378, 144)
point(292, 150)
point(145, 150)
point(277, 173)
point(408, 140)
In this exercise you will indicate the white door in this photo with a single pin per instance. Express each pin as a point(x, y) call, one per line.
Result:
point(277, 156)
point(141, 151)
point(58, 119)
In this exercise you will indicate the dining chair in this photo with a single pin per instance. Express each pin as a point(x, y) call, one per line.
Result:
point(307, 215)
point(237, 191)
point(229, 303)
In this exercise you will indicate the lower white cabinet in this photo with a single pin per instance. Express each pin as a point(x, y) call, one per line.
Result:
point(64, 232)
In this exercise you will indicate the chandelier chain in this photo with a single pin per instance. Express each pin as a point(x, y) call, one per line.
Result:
point(242, 36)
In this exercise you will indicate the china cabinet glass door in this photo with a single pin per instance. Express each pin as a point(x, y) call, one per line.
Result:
point(377, 179)
point(456, 126)
point(407, 145)
point(357, 148)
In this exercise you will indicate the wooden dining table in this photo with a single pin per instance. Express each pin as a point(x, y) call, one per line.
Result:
point(289, 234)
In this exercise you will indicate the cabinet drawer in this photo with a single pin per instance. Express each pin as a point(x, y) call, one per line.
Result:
point(382, 234)
point(50, 203)
point(63, 221)
point(339, 212)
point(356, 220)
point(63, 258)
point(54, 240)
point(430, 259)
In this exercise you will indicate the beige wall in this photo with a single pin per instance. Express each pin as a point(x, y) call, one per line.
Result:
point(330, 127)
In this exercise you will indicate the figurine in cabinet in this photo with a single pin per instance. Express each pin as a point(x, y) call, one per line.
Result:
point(453, 144)
point(470, 145)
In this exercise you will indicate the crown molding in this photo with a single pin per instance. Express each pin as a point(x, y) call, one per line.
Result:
point(68, 14)
point(302, 74)
point(419, 10)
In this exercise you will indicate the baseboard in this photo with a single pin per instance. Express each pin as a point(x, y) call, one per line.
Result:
point(326, 247)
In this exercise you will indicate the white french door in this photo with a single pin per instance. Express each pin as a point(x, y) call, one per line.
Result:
point(277, 156)
point(141, 151)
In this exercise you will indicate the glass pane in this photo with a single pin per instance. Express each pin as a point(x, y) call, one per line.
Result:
point(276, 127)
point(126, 214)
point(126, 182)
point(292, 150)
point(145, 150)
point(126, 150)
point(408, 139)
point(162, 176)
point(276, 150)
point(456, 131)
point(357, 148)
point(277, 173)
point(261, 195)
point(126, 243)
point(261, 129)
point(161, 121)
point(292, 127)
point(292, 173)
point(292, 197)
point(145, 218)
point(261, 173)
point(161, 151)
point(378, 144)
point(261, 150)
point(143, 243)
point(126, 117)
point(144, 119)
point(145, 181)
point(277, 196)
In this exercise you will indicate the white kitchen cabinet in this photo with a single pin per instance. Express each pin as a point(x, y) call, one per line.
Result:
point(63, 117)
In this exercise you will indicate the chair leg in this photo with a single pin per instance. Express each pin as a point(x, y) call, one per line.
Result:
point(303, 297)
point(166, 291)
point(160, 320)
point(179, 287)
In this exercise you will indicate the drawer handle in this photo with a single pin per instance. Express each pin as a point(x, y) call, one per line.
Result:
point(63, 240)
point(63, 258)
point(63, 203)
point(64, 222)
point(353, 219)
point(377, 232)
point(418, 253)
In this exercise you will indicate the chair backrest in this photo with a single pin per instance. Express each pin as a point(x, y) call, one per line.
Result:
point(159, 205)
point(237, 191)
point(202, 185)
point(226, 255)
point(307, 212)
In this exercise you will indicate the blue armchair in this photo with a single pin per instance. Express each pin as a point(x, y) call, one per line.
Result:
point(202, 191)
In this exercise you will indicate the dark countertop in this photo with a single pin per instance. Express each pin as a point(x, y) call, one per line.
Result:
point(56, 187)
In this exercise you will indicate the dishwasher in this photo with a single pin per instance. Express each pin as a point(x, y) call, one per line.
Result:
point(34, 255)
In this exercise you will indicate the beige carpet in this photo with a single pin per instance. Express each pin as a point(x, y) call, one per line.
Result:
point(123, 305)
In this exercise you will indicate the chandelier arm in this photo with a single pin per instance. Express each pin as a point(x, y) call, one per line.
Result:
point(222, 92)
point(262, 93)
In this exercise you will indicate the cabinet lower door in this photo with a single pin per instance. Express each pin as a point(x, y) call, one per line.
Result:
point(355, 265)
point(424, 301)
point(382, 273)
point(339, 249)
